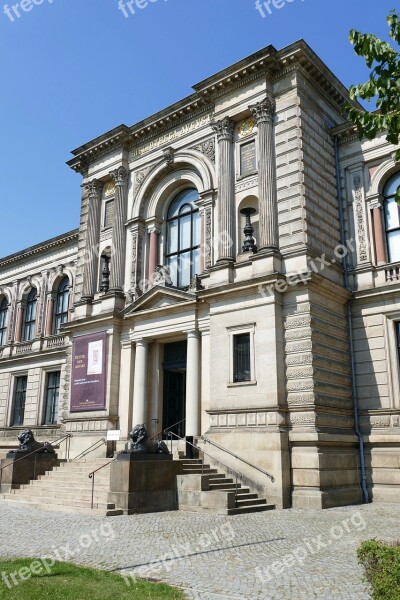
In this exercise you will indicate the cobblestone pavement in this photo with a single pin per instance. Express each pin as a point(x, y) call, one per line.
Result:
point(275, 555)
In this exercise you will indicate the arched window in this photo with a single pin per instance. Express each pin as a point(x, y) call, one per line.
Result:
point(61, 306)
point(183, 238)
point(30, 316)
point(3, 321)
point(392, 218)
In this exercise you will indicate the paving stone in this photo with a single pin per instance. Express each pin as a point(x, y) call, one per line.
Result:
point(278, 555)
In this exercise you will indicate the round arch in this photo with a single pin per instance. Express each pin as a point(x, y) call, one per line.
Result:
point(382, 175)
point(190, 168)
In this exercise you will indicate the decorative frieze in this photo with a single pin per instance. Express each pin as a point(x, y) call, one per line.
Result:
point(248, 419)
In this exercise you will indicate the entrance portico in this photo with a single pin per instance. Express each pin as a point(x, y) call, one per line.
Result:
point(166, 354)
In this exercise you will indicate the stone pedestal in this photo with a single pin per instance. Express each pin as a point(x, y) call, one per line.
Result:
point(21, 472)
point(144, 483)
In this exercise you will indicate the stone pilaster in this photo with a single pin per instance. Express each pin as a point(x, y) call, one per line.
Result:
point(137, 286)
point(92, 240)
point(264, 113)
point(120, 176)
point(226, 189)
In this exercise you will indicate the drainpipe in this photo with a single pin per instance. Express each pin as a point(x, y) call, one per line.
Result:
point(345, 264)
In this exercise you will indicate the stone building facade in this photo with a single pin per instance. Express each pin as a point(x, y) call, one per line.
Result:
point(239, 252)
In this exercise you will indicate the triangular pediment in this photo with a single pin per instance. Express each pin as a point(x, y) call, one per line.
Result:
point(160, 297)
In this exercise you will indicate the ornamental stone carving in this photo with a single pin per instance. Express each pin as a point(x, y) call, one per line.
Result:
point(141, 175)
point(224, 129)
point(360, 219)
point(120, 176)
point(264, 111)
point(207, 148)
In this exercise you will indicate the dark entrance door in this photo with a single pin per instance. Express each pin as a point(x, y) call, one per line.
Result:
point(174, 399)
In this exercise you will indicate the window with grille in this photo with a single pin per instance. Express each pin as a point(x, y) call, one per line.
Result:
point(30, 316)
point(19, 401)
point(3, 321)
point(392, 218)
point(183, 238)
point(61, 306)
point(52, 396)
point(241, 357)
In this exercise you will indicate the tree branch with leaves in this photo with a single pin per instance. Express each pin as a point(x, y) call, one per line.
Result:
point(383, 85)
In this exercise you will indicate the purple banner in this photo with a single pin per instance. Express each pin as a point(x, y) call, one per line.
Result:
point(89, 372)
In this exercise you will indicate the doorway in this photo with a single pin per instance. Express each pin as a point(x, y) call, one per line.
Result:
point(174, 393)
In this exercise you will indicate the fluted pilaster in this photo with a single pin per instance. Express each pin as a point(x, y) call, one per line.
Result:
point(120, 176)
point(93, 189)
point(264, 113)
point(226, 189)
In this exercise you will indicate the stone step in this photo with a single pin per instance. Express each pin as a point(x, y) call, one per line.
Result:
point(250, 509)
point(79, 470)
point(60, 502)
point(224, 486)
point(73, 477)
point(200, 472)
point(71, 495)
point(250, 501)
point(98, 512)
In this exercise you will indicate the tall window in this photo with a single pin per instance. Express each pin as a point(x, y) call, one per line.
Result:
point(241, 357)
point(30, 316)
point(183, 238)
point(392, 218)
point(61, 306)
point(3, 321)
point(52, 395)
point(19, 401)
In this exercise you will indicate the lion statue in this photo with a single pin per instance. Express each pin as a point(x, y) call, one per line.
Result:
point(27, 443)
point(141, 444)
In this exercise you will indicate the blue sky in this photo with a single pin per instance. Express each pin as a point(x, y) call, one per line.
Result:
point(73, 69)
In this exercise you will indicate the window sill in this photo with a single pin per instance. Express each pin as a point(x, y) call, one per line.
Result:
point(240, 383)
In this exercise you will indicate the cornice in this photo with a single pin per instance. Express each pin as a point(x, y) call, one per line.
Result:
point(38, 248)
point(267, 62)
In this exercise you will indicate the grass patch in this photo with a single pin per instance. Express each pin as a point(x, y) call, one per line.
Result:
point(382, 567)
point(64, 581)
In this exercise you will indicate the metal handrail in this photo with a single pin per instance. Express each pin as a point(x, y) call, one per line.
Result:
point(207, 441)
point(18, 460)
point(67, 438)
point(91, 448)
point(235, 473)
point(92, 474)
point(167, 429)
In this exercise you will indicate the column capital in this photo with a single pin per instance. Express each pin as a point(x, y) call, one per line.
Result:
point(224, 129)
point(154, 229)
point(264, 111)
point(93, 188)
point(120, 176)
point(143, 342)
point(193, 333)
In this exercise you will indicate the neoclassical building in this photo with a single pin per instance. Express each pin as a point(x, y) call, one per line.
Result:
point(235, 275)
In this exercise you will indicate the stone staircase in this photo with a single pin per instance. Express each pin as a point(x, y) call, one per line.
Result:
point(203, 488)
point(67, 488)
